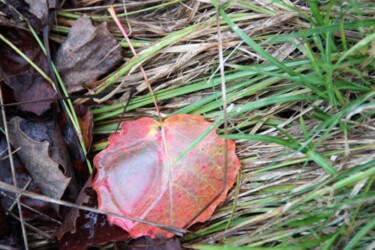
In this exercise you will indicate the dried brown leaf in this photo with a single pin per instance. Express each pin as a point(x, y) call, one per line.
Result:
point(10, 237)
point(3, 218)
point(24, 180)
point(155, 244)
point(23, 8)
point(86, 54)
point(45, 156)
point(39, 8)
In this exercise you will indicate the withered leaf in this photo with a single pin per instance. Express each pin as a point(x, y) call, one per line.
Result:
point(40, 8)
point(19, 75)
point(24, 180)
point(72, 4)
point(23, 8)
point(11, 236)
point(87, 53)
point(45, 156)
point(85, 119)
point(83, 229)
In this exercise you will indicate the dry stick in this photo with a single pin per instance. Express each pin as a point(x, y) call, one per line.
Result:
point(9, 188)
point(112, 11)
point(225, 117)
point(31, 227)
point(15, 200)
point(26, 206)
point(24, 235)
point(2, 193)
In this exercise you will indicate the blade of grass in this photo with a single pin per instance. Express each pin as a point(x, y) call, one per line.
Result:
point(112, 11)
point(316, 157)
point(147, 54)
point(322, 29)
point(360, 234)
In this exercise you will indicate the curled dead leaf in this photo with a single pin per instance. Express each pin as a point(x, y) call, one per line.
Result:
point(8, 8)
point(85, 119)
point(25, 181)
point(45, 156)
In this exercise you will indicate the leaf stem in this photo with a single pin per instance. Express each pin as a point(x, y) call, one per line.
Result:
point(112, 11)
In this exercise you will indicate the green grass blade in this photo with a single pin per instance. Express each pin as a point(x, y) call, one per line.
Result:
point(361, 233)
point(322, 29)
point(316, 157)
point(146, 54)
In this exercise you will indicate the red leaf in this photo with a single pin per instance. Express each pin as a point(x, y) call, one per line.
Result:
point(138, 175)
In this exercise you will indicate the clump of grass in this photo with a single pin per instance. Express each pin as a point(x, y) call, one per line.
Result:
point(299, 87)
point(292, 116)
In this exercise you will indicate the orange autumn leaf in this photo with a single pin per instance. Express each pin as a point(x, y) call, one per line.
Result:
point(141, 174)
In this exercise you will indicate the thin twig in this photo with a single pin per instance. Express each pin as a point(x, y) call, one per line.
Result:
point(15, 200)
point(31, 227)
point(11, 161)
point(13, 189)
point(71, 97)
point(31, 209)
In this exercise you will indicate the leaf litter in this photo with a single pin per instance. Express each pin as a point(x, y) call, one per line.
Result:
point(77, 156)
point(24, 180)
point(33, 210)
